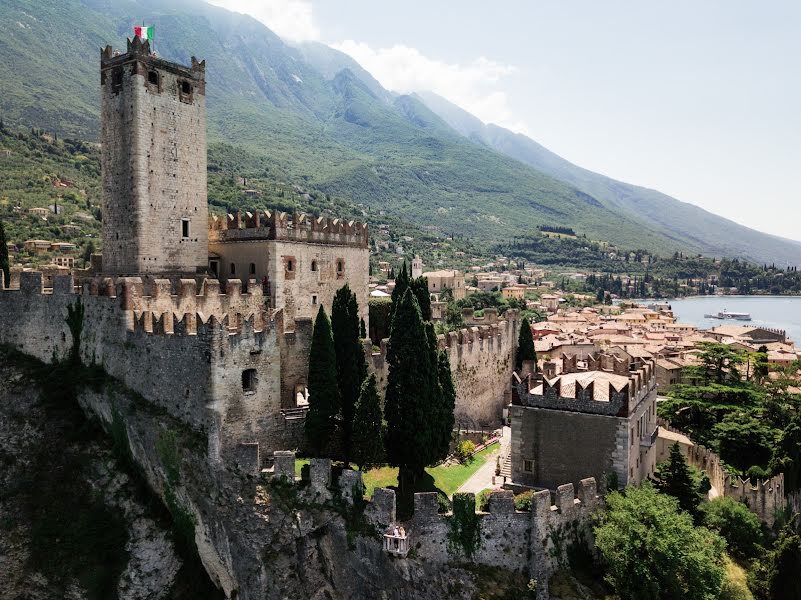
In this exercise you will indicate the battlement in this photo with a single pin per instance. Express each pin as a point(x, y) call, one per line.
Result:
point(276, 225)
point(162, 300)
point(598, 383)
point(567, 501)
point(138, 50)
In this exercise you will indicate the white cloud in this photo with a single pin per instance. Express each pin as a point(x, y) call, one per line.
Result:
point(474, 85)
point(290, 19)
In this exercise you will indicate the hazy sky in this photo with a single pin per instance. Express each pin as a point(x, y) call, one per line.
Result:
point(698, 99)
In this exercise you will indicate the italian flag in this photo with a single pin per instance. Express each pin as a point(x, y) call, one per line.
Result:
point(144, 33)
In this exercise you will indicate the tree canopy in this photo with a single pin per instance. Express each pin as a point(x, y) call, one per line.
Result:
point(652, 551)
point(673, 477)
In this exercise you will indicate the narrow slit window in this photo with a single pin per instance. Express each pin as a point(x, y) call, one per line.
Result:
point(252, 268)
point(233, 269)
point(185, 229)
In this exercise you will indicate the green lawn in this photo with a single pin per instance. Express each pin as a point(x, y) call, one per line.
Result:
point(446, 479)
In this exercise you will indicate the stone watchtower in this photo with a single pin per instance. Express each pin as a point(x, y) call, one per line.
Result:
point(155, 210)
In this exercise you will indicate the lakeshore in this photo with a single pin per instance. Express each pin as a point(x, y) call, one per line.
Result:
point(776, 312)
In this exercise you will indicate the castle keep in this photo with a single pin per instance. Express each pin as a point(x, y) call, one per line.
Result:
point(154, 163)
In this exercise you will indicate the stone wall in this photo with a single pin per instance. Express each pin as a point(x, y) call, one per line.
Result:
point(183, 352)
point(154, 163)
point(482, 361)
point(566, 446)
point(535, 542)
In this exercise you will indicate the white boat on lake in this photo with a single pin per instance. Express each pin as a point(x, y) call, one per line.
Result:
point(737, 316)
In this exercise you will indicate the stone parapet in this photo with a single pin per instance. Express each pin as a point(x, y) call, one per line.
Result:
point(276, 225)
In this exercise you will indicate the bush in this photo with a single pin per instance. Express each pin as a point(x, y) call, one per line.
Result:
point(756, 472)
point(464, 451)
point(523, 501)
point(483, 499)
point(739, 526)
point(443, 504)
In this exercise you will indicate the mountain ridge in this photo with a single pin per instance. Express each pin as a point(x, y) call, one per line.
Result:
point(318, 117)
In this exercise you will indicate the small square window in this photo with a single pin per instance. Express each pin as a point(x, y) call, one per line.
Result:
point(528, 466)
point(185, 229)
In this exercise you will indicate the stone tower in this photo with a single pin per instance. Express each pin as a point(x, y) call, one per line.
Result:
point(417, 267)
point(155, 211)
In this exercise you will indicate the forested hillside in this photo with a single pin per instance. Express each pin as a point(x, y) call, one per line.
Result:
point(312, 116)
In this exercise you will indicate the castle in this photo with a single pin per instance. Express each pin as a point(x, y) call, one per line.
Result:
point(597, 417)
point(203, 327)
point(210, 318)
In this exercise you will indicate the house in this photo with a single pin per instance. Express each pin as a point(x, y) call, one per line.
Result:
point(446, 279)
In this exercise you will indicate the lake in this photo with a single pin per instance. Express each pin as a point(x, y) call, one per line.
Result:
point(778, 312)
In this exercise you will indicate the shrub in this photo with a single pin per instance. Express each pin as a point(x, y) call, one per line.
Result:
point(483, 499)
point(443, 504)
point(464, 451)
point(739, 526)
point(523, 501)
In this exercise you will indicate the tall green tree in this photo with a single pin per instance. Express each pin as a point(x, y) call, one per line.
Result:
point(368, 427)
point(350, 361)
point(420, 288)
point(324, 399)
point(673, 477)
point(787, 455)
point(744, 440)
point(447, 403)
point(720, 362)
point(782, 565)
point(4, 264)
point(401, 285)
point(652, 551)
point(525, 345)
point(412, 398)
point(761, 363)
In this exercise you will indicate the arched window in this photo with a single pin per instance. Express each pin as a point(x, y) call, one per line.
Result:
point(314, 265)
point(233, 269)
point(153, 77)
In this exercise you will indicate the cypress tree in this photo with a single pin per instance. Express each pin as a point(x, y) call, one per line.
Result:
point(447, 404)
point(362, 329)
point(351, 366)
point(324, 401)
point(368, 427)
point(412, 405)
point(420, 288)
point(674, 478)
point(401, 285)
point(525, 345)
point(4, 265)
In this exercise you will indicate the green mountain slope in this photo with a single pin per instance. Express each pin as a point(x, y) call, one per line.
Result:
point(689, 225)
point(308, 113)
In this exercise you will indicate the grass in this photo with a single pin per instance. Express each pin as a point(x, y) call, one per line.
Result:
point(445, 479)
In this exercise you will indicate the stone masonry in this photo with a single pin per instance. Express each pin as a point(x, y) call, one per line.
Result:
point(154, 163)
